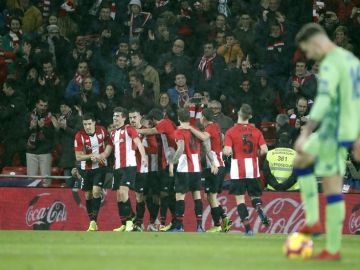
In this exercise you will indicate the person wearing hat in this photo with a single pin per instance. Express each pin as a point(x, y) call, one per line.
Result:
point(278, 166)
point(266, 96)
point(139, 22)
point(66, 126)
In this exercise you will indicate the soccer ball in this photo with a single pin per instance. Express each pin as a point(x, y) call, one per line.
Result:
point(298, 246)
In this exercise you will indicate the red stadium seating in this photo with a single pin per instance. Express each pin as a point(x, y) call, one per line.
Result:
point(269, 131)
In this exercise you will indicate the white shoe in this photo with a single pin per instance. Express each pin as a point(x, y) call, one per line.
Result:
point(129, 227)
point(152, 228)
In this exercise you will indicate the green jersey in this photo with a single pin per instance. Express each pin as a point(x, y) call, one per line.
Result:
point(337, 104)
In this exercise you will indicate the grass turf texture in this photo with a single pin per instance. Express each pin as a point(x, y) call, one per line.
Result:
point(52, 250)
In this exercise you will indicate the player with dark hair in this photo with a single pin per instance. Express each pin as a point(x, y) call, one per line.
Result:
point(215, 171)
point(166, 128)
point(335, 117)
point(188, 172)
point(142, 172)
point(246, 143)
point(90, 143)
point(124, 141)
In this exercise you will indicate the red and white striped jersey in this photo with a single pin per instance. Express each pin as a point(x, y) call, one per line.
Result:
point(166, 129)
point(215, 142)
point(245, 141)
point(91, 144)
point(122, 141)
point(189, 161)
point(151, 149)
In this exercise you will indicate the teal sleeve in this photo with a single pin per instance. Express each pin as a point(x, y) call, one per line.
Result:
point(327, 92)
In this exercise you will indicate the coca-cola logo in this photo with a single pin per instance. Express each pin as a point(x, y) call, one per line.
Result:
point(286, 216)
point(354, 223)
point(49, 213)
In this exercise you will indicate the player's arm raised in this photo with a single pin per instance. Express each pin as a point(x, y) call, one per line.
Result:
point(175, 159)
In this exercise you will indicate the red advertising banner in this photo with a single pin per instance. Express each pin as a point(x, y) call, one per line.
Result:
point(64, 209)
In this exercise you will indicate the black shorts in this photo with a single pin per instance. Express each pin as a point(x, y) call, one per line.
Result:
point(214, 183)
point(185, 182)
point(124, 177)
point(153, 186)
point(90, 178)
point(240, 186)
point(166, 181)
point(140, 182)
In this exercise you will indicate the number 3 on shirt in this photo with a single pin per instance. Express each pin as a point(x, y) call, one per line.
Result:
point(248, 143)
point(355, 77)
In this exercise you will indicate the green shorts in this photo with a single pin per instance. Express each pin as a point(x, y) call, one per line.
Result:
point(330, 158)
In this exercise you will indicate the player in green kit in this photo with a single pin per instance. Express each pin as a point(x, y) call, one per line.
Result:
point(335, 116)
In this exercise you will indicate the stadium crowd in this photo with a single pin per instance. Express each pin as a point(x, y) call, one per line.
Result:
point(62, 59)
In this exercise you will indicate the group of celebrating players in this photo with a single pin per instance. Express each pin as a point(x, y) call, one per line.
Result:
point(160, 186)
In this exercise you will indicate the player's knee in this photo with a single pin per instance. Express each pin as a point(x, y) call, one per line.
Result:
point(123, 195)
point(97, 194)
point(196, 195)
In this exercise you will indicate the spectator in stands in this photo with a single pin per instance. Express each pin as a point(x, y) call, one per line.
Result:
point(283, 126)
point(220, 39)
point(117, 73)
point(220, 25)
point(278, 166)
point(66, 126)
point(88, 97)
point(13, 123)
point(40, 140)
point(224, 121)
point(50, 85)
point(341, 38)
point(106, 29)
point(231, 51)
point(180, 62)
point(13, 40)
point(138, 22)
point(302, 83)
point(32, 19)
point(245, 34)
point(299, 116)
point(169, 109)
point(277, 56)
point(266, 97)
point(148, 72)
point(210, 70)
point(73, 88)
point(81, 53)
point(140, 95)
point(123, 47)
point(107, 104)
point(244, 93)
point(329, 21)
point(181, 92)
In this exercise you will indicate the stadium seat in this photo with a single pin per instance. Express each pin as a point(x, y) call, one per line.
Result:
point(15, 170)
point(268, 130)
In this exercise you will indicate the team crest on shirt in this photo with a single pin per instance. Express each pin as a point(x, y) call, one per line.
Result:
point(122, 131)
point(100, 136)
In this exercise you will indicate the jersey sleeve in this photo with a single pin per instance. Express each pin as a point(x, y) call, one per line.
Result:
point(327, 87)
point(161, 127)
point(152, 147)
point(132, 132)
point(178, 135)
point(78, 142)
point(261, 139)
point(228, 140)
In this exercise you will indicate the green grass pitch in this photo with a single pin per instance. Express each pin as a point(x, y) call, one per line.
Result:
point(52, 250)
